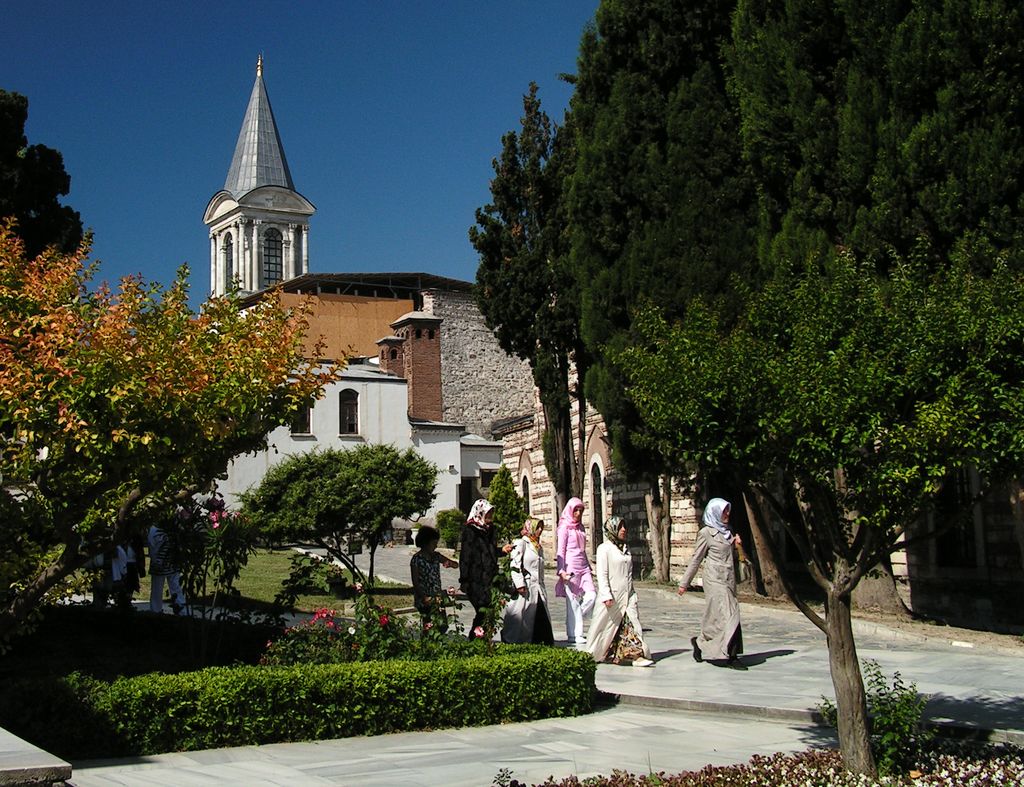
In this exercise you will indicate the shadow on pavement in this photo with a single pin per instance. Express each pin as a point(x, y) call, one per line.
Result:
point(753, 659)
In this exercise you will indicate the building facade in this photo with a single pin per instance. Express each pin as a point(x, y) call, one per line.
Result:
point(423, 371)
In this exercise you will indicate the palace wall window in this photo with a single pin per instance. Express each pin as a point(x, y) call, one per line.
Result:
point(349, 412)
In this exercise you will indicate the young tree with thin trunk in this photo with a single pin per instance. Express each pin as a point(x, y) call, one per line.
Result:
point(336, 499)
point(114, 404)
point(849, 400)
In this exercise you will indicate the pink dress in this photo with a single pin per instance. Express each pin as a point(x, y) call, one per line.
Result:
point(571, 556)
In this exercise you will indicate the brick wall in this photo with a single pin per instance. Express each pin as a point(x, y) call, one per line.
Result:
point(421, 360)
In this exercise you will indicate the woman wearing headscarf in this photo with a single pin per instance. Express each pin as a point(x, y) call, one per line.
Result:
point(575, 582)
point(526, 616)
point(478, 561)
point(615, 632)
point(720, 638)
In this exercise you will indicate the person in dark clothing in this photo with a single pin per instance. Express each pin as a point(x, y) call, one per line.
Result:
point(478, 561)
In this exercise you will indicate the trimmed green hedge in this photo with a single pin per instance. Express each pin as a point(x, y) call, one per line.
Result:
point(81, 718)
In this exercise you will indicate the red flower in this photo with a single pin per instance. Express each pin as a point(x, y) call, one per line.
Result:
point(384, 620)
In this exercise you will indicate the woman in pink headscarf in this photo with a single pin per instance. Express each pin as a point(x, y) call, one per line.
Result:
point(575, 581)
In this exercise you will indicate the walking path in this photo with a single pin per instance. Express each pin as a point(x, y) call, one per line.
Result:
point(678, 715)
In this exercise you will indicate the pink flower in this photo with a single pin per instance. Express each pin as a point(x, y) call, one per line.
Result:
point(359, 587)
point(452, 590)
point(216, 525)
point(478, 631)
point(384, 620)
point(428, 626)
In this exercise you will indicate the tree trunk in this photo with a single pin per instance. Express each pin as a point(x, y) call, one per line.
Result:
point(877, 590)
point(557, 443)
point(29, 598)
point(851, 705)
point(767, 575)
point(659, 522)
point(1017, 505)
point(580, 465)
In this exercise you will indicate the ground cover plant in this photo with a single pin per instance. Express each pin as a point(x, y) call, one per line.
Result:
point(941, 763)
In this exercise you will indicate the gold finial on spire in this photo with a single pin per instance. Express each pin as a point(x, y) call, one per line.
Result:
point(259, 65)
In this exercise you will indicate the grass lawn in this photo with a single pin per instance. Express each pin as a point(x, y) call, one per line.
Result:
point(262, 578)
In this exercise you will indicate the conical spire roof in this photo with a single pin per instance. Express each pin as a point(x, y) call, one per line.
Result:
point(259, 156)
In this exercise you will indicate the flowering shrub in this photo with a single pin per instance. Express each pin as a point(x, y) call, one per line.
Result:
point(375, 634)
point(946, 763)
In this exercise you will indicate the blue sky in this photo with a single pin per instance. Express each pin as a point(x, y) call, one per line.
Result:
point(389, 112)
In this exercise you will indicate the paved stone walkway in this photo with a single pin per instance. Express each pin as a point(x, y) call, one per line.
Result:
point(655, 726)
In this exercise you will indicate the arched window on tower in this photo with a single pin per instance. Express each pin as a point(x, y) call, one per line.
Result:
point(526, 493)
point(348, 401)
point(229, 259)
point(597, 502)
point(273, 257)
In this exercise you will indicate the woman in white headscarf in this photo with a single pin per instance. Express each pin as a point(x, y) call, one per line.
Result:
point(478, 561)
point(720, 638)
point(526, 616)
point(615, 632)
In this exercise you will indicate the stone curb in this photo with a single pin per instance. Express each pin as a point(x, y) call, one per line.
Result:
point(958, 730)
point(23, 763)
point(705, 706)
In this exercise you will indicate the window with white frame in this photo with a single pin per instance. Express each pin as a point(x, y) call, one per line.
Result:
point(273, 257)
point(300, 424)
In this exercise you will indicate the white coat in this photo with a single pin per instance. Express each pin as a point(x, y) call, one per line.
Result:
point(527, 564)
point(614, 582)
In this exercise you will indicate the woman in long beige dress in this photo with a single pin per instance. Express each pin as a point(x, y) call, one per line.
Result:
point(615, 632)
point(720, 638)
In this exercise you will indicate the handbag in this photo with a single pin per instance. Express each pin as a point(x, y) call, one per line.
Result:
point(744, 571)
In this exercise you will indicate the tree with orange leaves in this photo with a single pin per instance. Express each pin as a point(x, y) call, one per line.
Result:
point(113, 404)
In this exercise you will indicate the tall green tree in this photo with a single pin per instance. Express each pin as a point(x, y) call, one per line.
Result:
point(661, 202)
point(32, 179)
point(337, 499)
point(525, 287)
point(116, 404)
point(848, 399)
point(509, 510)
point(892, 125)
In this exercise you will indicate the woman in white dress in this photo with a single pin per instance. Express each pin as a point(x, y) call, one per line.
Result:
point(720, 638)
point(615, 632)
point(526, 616)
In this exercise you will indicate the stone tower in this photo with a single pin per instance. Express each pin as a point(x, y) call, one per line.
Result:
point(259, 223)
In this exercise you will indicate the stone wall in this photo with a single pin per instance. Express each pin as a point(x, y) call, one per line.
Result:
point(481, 382)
